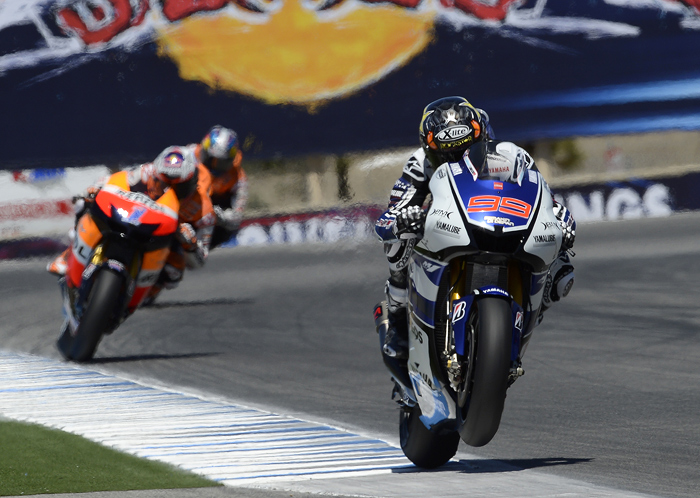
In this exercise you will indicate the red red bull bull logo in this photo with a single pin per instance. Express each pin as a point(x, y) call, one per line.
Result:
point(97, 22)
point(284, 51)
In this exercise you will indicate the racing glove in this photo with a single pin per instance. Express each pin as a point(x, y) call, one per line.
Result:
point(409, 223)
point(567, 225)
point(187, 237)
point(81, 203)
point(230, 219)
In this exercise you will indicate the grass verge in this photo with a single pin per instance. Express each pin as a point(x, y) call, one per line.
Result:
point(37, 460)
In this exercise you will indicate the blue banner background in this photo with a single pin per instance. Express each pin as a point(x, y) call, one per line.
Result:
point(124, 106)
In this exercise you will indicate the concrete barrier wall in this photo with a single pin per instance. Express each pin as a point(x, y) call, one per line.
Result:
point(300, 201)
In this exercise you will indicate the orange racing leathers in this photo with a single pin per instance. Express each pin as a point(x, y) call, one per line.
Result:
point(229, 194)
point(88, 235)
point(196, 217)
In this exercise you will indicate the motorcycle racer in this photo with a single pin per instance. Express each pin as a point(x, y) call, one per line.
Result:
point(220, 152)
point(448, 129)
point(177, 168)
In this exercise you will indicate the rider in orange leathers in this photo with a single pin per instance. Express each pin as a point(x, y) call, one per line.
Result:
point(219, 151)
point(177, 168)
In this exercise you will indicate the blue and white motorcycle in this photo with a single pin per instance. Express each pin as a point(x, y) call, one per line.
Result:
point(476, 282)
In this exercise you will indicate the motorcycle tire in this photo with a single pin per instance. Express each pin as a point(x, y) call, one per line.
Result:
point(422, 446)
point(103, 297)
point(490, 372)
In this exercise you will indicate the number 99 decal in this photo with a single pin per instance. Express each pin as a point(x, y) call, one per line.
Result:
point(507, 205)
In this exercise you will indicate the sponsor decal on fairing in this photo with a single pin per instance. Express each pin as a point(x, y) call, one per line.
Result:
point(470, 167)
point(429, 267)
point(498, 169)
point(492, 290)
point(545, 239)
point(89, 270)
point(442, 213)
point(519, 320)
point(134, 218)
point(141, 198)
point(496, 220)
point(446, 227)
point(117, 266)
point(459, 311)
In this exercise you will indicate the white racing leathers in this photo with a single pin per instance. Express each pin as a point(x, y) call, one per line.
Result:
point(411, 189)
point(475, 286)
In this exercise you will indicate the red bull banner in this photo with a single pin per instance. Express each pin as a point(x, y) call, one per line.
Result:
point(115, 81)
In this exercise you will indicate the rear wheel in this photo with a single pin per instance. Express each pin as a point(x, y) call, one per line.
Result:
point(422, 446)
point(96, 318)
point(493, 331)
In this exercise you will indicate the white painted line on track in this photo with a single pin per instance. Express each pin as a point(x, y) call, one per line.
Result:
point(229, 443)
point(248, 447)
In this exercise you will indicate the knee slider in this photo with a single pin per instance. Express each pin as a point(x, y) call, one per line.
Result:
point(563, 282)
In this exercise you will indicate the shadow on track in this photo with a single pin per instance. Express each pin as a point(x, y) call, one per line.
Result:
point(203, 302)
point(486, 466)
point(145, 357)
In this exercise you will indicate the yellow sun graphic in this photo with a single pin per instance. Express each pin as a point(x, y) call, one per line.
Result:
point(296, 57)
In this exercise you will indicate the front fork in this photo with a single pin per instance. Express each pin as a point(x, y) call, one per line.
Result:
point(75, 299)
point(460, 337)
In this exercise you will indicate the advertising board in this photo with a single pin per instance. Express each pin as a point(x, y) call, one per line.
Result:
point(113, 82)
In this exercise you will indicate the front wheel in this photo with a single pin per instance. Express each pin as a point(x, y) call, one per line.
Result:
point(493, 331)
point(95, 320)
point(423, 447)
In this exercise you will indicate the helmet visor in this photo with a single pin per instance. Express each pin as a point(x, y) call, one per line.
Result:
point(437, 159)
point(185, 189)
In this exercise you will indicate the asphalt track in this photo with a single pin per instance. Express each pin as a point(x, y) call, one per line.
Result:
point(610, 399)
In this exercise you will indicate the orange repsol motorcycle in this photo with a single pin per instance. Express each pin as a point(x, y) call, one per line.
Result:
point(120, 247)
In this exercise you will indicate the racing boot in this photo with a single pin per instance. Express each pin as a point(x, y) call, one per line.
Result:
point(396, 366)
point(560, 280)
point(396, 338)
point(59, 266)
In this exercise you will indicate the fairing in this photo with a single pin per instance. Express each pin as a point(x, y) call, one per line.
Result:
point(479, 218)
point(467, 209)
point(126, 231)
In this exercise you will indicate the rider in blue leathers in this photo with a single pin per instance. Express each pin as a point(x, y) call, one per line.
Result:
point(449, 127)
